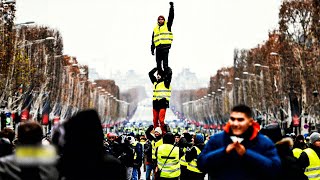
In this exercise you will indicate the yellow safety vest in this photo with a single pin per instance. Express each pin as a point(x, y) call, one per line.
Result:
point(154, 147)
point(171, 168)
point(135, 153)
point(192, 165)
point(313, 170)
point(297, 152)
point(183, 161)
point(160, 91)
point(162, 35)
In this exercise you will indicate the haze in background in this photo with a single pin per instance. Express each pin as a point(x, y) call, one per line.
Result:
point(112, 35)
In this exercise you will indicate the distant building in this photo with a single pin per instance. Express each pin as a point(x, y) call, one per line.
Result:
point(181, 81)
point(130, 80)
point(188, 80)
point(93, 74)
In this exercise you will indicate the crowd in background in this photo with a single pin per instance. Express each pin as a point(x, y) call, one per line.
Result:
point(83, 151)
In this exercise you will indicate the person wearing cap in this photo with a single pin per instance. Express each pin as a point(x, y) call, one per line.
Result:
point(156, 140)
point(162, 38)
point(177, 137)
point(298, 146)
point(191, 158)
point(161, 96)
point(240, 151)
point(310, 157)
point(307, 141)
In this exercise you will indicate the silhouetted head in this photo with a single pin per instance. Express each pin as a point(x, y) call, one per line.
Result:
point(29, 133)
point(168, 138)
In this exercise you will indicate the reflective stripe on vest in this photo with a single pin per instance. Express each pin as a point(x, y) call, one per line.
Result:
point(192, 166)
point(160, 91)
point(135, 153)
point(162, 35)
point(183, 161)
point(297, 152)
point(171, 168)
point(154, 147)
point(313, 170)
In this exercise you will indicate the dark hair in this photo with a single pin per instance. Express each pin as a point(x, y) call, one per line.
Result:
point(168, 138)
point(272, 131)
point(8, 133)
point(243, 109)
point(29, 133)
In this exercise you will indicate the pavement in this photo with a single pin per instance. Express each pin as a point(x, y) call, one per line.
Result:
point(143, 175)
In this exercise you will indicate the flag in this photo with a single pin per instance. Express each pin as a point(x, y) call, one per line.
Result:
point(45, 112)
point(295, 109)
point(26, 107)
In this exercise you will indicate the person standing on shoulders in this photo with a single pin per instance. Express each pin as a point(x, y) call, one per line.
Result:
point(162, 39)
point(161, 96)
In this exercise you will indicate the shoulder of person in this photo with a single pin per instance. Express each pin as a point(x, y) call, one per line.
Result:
point(264, 139)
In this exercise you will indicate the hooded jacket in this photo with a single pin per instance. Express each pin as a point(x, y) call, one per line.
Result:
point(260, 160)
point(290, 168)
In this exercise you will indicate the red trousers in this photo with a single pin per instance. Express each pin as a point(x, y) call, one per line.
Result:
point(158, 117)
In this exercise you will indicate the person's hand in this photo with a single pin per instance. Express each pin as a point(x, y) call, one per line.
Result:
point(230, 147)
point(171, 3)
point(241, 150)
point(152, 52)
point(150, 127)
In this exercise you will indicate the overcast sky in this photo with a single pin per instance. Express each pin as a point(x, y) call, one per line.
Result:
point(112, 35)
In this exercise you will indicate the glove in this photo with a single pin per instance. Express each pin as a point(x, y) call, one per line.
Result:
point(150, 128)
point(152, 52)
point(171, 3)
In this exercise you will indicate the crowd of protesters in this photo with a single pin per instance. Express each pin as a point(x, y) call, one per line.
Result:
point(82, 151)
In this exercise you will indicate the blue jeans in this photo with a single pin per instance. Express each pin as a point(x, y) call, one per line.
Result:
point(149, 168)
point(135, 174)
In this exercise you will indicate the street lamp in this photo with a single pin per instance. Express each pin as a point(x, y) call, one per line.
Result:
point(274, 54)
point(315, 93)
point(24, 23)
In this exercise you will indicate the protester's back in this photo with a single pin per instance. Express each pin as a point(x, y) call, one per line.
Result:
point(13, 168)
point(83, 155)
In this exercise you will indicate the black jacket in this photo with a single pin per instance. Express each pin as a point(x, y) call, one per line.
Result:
point(11, 170)
point(162, 103)
point(304, 159)
point(290, 167)
point(169, 24)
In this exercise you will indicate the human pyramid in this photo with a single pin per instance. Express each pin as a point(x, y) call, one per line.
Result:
point(162, 38)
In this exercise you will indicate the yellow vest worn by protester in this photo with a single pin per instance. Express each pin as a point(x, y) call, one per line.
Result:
point(192, 165)
point(135, 153)
point(169, 165)
point(313, 170)
point(154, 147)
point(183, 161)
point(161, 35)
point(160, 91)
point(297, 152)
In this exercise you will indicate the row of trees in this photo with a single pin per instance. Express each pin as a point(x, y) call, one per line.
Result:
point(279, 78)
point(38, 82)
